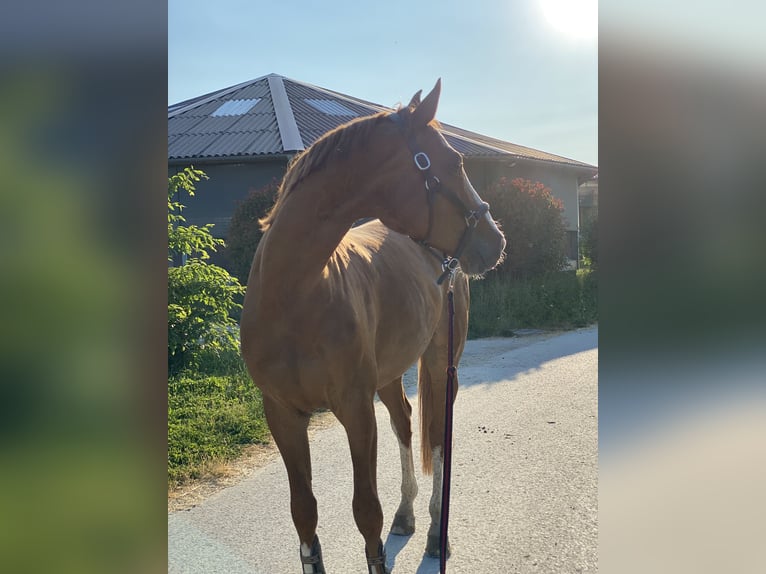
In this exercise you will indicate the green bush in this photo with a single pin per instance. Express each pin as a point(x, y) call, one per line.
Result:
point(562, 300)
point(245, 231)
point(210, 419)
point(532, 221)
point(202, 298)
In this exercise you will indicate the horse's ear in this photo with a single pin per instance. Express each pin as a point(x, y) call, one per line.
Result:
point(426, 111)
point(415, 101)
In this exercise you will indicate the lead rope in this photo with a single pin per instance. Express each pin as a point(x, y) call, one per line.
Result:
point(447, 465)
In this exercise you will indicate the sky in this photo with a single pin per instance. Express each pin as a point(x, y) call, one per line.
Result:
point(523, 71)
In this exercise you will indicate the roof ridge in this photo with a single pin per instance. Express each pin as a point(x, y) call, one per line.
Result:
point(288, 127)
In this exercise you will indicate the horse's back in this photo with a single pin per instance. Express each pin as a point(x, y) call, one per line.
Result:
point(387, 251)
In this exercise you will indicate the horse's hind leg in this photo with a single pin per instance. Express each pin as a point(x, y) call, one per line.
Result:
point(289, 429)
point(399, 408)
point(432, 375)
point(357, 415)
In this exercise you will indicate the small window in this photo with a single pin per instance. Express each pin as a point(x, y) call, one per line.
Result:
point(235, 107)
point(331, 108)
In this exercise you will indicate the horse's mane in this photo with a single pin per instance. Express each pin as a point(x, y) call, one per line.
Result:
point(340, 139)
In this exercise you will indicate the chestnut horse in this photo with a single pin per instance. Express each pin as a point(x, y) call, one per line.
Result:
point(334, 314)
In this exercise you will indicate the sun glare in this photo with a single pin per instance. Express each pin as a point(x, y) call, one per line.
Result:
point(574, 18)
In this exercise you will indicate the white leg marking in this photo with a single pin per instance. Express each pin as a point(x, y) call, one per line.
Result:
point(306, 552)
point(435, 507)
point(409, 483)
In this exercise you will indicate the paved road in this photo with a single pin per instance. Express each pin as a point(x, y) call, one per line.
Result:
point(524, 479)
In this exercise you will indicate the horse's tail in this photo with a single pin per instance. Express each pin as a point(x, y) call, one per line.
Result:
point(425, 398)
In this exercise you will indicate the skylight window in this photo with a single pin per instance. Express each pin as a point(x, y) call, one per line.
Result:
point(331, 108)
point(235, 107)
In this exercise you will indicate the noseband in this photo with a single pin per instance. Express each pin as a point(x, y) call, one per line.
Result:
point(433, 185)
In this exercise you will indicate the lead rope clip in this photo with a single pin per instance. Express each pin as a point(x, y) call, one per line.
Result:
point(449, 268)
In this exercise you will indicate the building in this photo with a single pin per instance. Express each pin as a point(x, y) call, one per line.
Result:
point(243, 137)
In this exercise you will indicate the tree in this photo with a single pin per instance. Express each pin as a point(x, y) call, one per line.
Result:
point(245, 231)
point(531, 219)
point(187, 240)
point(201, 296)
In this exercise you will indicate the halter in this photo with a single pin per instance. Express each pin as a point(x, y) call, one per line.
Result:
point(433, 185)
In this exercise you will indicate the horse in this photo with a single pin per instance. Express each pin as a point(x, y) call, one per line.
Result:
point(334, 313)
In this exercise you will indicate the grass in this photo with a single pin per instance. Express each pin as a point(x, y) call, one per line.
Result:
point(564, 300)
point(210, 419)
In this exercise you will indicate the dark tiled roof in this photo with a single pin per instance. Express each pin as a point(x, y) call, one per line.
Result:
point(274, 115)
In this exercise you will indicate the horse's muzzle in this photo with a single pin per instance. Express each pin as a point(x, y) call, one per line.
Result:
point(485, 251)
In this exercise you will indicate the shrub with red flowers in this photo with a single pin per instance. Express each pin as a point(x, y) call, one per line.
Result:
point(532, 221)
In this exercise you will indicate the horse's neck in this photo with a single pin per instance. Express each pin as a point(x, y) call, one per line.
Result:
point(297, 246)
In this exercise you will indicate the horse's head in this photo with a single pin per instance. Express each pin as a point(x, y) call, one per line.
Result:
point(432, 199)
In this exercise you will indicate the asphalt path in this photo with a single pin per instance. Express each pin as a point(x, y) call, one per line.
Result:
point(524, 482)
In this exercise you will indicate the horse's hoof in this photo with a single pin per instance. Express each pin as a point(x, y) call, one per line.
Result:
point(403, 525)
point(377, 564)
point(432, 546)
point(314, 560)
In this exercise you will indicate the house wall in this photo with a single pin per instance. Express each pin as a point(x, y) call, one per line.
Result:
point(216, 198)
point(229, 183)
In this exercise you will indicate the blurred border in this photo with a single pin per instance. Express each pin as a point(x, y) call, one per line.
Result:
point(83, 289)
point(682, 399)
